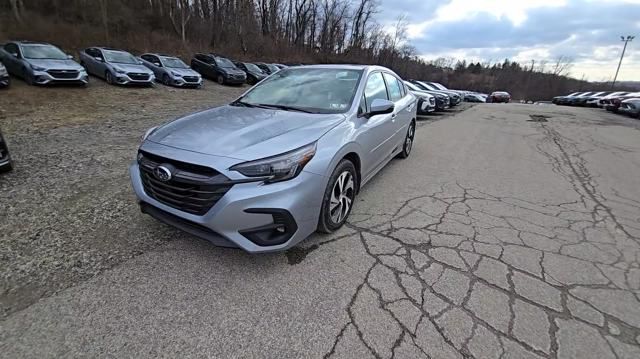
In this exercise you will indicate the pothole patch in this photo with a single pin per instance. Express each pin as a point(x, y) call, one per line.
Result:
point(538, 118)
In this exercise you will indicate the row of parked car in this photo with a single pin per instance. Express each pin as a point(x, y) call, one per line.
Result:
point(42, 64)
point(618, 102)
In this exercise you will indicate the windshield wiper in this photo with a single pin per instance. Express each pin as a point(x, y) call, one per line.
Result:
point(283, 107)
point(242, 103)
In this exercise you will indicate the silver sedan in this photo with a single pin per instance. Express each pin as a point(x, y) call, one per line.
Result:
point(284, 160)
point(171, 71)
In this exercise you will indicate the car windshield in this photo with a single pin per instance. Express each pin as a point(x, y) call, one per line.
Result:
point(427, 86)
point(119, 57)
point(226, 63)
point(254, 68)
point(412, 86)
point(438, 86)
point(43, 52)
point(273, 67)
point(174, 63)
point(316, 90)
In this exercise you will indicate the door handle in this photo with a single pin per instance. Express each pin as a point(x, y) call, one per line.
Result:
point(393, 117)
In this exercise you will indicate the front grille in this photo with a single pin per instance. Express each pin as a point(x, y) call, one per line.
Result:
point(63, 74)
point(138, 77)
point(193, 188)
point(190, 78)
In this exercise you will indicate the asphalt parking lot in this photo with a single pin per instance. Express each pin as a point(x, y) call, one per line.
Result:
point(512, 231)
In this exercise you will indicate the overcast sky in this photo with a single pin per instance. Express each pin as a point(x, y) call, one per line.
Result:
point(588, 31)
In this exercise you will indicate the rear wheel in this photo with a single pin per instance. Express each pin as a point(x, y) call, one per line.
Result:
point(408, 141)
point(338, 197)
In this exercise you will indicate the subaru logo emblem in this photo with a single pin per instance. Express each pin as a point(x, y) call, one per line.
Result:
point(162, 173)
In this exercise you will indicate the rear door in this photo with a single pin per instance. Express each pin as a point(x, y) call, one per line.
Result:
point(404, 107)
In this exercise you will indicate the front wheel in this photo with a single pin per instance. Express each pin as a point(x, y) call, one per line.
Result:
point(109, 77)
point(27, 77)
point(338, 197)
point(221, 79)
point(408, 141)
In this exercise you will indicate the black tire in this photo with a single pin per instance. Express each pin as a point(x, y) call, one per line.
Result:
point(165, 80)
point(251, 81)
point(26, 77)
point(407, 146)
point(332, 219)
point(108, 77)
point(220, 79)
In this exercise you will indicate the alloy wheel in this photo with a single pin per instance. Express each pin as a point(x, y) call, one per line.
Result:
point(408, 142)
point(342, 196)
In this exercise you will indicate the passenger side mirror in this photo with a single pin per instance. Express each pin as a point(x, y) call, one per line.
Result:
point(99, 59)
point(69, 57)
point(380, 107)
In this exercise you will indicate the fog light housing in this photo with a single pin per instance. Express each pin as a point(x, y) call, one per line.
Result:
point(280, 231)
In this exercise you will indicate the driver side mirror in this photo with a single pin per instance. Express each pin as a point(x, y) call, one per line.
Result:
point(15, 54)
point(69, 57)
point(380, 107)
point(99, 59)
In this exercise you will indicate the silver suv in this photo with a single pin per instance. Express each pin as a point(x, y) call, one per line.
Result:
point(285, 159)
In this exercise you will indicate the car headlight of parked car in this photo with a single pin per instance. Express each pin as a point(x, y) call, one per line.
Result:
point(278, 168)
point(176, 74)
point(3, 71)
point(37, 68)
point(120, 71)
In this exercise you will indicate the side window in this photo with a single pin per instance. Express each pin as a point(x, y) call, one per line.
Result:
point(375, 89)
point(147, 58)
point(395, 92)
point(11, 48)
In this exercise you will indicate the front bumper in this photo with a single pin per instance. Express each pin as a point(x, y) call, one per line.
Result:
point(425, 107)
point(245, 207)
point(235, 80)
point(182, 82)
point(45, 78)
point(125, 79)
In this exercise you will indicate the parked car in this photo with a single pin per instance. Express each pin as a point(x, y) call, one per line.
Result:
point(475, 97)
point(615, 102)
point(218, 68)
point(607, 99)
point(254, 73)
point(593, 100)
point(171, 70)
point(281, 66)
point(630, 107)
point(268, 68)
point(500, 96)
point(426, 101)
point(287, 159)
point(41, 64)
point(4, 76)
point(579, 100)
point(117, 67)
point(440, 86)
point(5, 158)
point(443, 101)
point(454, 97)
point(561, 100)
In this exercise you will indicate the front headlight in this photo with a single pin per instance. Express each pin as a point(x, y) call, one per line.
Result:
point(37, 68)
point(176, 74)
point(120, 71)
point(149, 132)
point(278, 168)
point(3, 71)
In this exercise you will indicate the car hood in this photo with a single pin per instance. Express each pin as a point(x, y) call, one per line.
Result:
point(259, 75)
point(55, 64)
point(244, 133)
point(183, 72)
point(132, 68)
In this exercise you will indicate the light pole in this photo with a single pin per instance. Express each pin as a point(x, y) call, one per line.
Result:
point(626, 41)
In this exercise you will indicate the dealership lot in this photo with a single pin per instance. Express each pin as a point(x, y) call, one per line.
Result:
point(511, 230)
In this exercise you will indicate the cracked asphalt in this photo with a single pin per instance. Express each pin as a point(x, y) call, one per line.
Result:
point(502, 236)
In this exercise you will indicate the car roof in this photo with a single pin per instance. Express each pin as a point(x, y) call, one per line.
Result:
point(108, 48)
point(27, 42)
